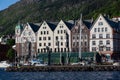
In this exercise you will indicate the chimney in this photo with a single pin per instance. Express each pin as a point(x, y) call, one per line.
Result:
point(92, 20)
point(104, 14)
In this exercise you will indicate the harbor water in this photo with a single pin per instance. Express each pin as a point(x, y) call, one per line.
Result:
point(100, 75)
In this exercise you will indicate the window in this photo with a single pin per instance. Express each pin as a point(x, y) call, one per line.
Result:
point(100, 42)
point(107, 48)
point(44, 32)
point(102, 30)
point(41, 50)
point(93, 43)
point(81, 37)
point(93, 48)
point(55, 49)
point(49, 44)
point(77, 44)
point(107, 35)
point(40, 38)
point(85, 43)
point(93, 36)
point(64, 31)
point(58, 31)
point(41, 32)
point(61, 49)
point(44, 44)
point(107, 42)
point(106, 29)
point(100, 48)
point(61, 43)
point(95, 29)
point(57, 43)
point(49, 38)
point(30, 33)
point(77, 37)
point(38, 50)
point(64, 49)
point(98, 29)
point(73, 43)
point(100, 23)
point(85, 36)
point(47, 32)
point(44, 38)
point(61, 37)
point(56, 37)
point(61, 31)
point(100, 36)
point(40, 44)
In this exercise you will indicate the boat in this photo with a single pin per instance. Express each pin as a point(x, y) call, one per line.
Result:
point(37, 63)
point(4, 64)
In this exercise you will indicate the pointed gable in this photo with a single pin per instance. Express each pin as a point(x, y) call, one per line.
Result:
point(106, 20)
point(50, 25)
point(69, 25)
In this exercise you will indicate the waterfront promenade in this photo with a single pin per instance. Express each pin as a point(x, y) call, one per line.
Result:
point(63, 68)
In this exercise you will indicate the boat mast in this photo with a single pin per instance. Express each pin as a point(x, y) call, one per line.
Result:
point(80, 25)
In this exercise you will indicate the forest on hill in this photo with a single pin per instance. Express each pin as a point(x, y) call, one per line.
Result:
point(36, 11)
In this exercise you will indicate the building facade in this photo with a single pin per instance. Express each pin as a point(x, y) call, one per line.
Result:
point(102, 36)
point(62, 37)
point(45, 37)
point(85, 33)
point(105, 36)
point(26, 41)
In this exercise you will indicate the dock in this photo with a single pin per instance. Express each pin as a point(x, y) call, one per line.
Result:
point(63, 68)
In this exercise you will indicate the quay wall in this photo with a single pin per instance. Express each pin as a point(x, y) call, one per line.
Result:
point(62, 68)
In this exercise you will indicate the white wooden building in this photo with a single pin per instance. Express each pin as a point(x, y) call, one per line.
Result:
point(105, 36)
point(62, 37)
point(45, 37)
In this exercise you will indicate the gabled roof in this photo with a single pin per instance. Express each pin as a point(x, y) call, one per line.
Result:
point(51, 25)
point(69, 25)
point(34, 27)
point(87, 23)
point(113, 24)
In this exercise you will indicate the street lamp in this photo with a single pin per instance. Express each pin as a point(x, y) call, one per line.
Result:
point(49, 55)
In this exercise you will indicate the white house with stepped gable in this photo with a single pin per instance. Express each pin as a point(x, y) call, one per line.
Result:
point(105, 36)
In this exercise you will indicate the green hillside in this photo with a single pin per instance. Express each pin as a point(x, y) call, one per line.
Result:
point(54, 10)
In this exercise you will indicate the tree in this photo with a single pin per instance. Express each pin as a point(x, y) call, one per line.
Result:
point(10, 54)
point(10, 42)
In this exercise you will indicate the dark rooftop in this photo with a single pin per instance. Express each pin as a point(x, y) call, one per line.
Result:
point(34, 27)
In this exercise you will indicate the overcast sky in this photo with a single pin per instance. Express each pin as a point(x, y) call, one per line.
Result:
point(6, 3)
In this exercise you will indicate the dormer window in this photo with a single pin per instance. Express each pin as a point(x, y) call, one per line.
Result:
point(100, 23)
